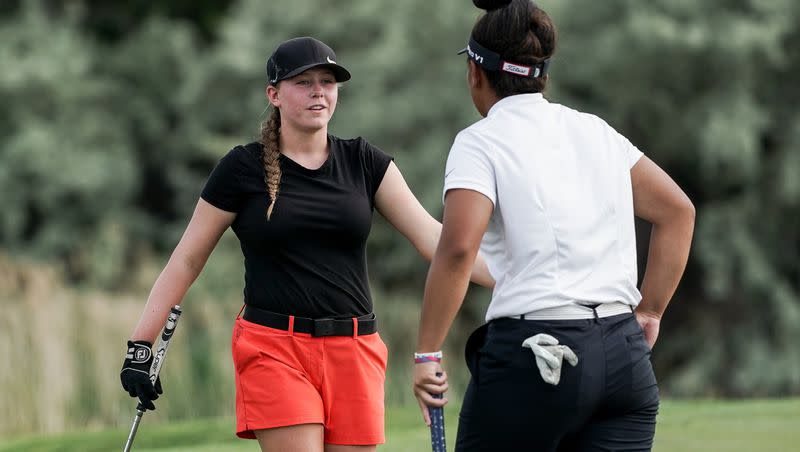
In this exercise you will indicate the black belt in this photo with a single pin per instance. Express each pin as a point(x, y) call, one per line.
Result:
point(367, 324)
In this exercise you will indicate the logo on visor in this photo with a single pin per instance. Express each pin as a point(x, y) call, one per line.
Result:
point(515, 69)
point(473, 55)
point(330, 60)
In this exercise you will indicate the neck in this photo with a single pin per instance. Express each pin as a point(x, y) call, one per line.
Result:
point(296, 142)
point(488, 101)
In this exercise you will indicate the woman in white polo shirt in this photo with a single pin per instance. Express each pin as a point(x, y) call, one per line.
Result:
point(549, 194)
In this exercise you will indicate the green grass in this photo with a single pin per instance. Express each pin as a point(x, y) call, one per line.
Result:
point(683, 425)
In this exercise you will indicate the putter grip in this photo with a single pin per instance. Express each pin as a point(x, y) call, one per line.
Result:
point(160, 352)
point(438, 443)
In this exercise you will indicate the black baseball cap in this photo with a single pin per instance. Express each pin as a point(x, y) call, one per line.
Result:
point(299, 54)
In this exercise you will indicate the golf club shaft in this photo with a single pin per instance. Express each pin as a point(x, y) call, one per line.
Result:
point(134, 428)
point(155, 368)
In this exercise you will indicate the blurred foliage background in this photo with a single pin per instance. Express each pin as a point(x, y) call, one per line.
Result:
point(113, 115)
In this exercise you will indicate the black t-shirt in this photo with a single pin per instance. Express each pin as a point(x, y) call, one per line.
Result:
point(309, 259)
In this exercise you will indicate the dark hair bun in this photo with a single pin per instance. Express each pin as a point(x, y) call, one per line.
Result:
point(489, 5)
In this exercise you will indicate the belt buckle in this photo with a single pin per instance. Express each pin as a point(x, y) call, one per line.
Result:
point(323, 327)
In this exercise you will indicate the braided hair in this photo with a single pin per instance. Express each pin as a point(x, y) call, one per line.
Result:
point(270, 140)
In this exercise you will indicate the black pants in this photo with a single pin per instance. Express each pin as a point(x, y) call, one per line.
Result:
point(608, 402)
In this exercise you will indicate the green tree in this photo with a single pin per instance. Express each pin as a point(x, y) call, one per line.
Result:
point(106, 138)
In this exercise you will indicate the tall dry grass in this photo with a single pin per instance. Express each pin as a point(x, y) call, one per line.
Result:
point(62, 348)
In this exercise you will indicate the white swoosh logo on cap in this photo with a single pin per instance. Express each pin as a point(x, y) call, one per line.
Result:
point(330, 60)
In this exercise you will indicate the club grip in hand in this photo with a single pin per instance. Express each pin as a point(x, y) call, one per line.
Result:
point(160, 351)
point(438, 443)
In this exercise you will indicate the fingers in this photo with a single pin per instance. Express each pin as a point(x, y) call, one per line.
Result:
point(437, 384)
point(570, 356)
point(147, 394)
point(434, 388)
point(425, 393)
point(147, 390)
point(148, 404)
point(547, 356)
point(426, 417)
point(427, 384)
point(650, 339)
point(158, 388)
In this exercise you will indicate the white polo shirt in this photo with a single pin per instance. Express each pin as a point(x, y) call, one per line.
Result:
point(562, 229)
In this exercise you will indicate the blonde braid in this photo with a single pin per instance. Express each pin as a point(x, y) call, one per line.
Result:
point(270, 139)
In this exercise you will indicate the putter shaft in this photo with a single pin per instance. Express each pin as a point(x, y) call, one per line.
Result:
point(134, 428)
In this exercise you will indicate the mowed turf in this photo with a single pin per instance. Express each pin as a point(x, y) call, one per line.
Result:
point(683, 425)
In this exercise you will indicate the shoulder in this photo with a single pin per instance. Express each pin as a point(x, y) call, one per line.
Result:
point(356, 147)
point(242, 159)
point(249, 152)
point(357, 144)
point(475, 136)
point(580, 117)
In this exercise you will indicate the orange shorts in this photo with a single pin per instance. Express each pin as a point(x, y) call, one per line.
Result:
point(287, 378)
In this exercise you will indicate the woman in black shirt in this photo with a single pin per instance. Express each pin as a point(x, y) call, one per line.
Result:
point(309, 364)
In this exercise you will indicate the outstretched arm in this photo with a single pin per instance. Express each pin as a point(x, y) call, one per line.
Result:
point(658, 200)
point(395, 201)
point(207, 225)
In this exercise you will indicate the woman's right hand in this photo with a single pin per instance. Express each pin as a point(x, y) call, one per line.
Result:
point(135, 374)
point(426, 383)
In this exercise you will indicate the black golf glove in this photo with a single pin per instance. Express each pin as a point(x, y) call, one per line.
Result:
point(135, 374)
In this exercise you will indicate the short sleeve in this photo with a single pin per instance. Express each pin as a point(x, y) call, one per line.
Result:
point(375, 162)
point(470, 167)
point(224, 188)
point(632, 154)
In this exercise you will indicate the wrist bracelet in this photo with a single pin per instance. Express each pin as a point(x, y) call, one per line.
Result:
point(434, 357)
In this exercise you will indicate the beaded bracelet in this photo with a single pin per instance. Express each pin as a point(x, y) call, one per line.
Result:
point(435, 357)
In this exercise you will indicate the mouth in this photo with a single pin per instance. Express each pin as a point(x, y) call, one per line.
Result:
point(317, 107)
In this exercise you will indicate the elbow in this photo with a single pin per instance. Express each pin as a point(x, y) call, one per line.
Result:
point(678, 213)
point(457, 254)
point(688, 212)
point(188, 263)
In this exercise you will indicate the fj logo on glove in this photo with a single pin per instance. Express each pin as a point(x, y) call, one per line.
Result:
point(142, 354)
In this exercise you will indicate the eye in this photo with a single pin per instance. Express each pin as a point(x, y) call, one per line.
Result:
point(328, 81)
point(303, 82)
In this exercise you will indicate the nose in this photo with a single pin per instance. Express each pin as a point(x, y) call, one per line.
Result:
point(316, 89)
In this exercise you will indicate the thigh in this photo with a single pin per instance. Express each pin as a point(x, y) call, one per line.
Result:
point(295, 438)
point(341, 448)
point(353, 390)
point(273, 388)
point(632, 432)
point(626, 419)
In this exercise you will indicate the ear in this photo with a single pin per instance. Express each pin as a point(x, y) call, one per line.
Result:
point(272, 95)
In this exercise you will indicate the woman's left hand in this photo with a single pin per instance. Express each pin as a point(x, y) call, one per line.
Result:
point(650, 324)
point(426, 383)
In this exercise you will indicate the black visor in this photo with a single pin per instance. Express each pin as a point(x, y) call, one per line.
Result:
point(491, 61)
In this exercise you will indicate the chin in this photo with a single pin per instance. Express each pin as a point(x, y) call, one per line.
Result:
point(315, 126)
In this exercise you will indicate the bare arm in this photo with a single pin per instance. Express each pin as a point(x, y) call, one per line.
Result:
point(400, 207)
point(207, 225)
point(658, 200)
point(466, 216)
